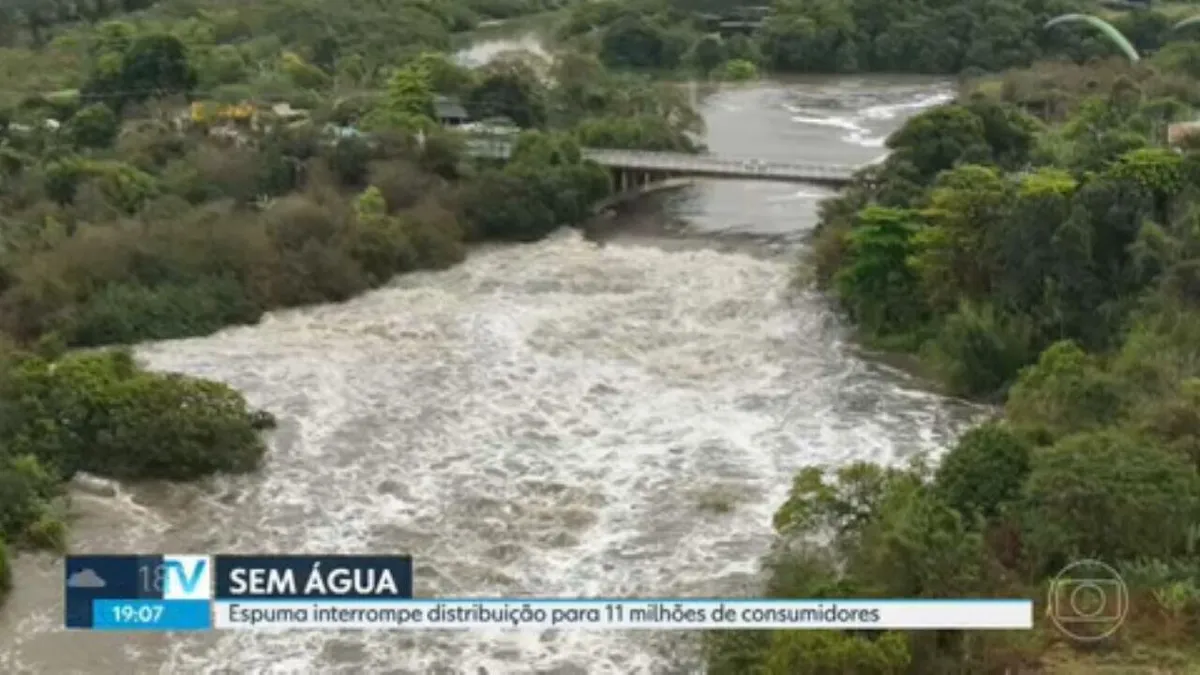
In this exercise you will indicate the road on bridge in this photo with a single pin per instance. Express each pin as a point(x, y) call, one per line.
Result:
point(679, 163)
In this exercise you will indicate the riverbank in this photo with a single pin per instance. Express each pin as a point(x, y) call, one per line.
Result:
point(101, 413)
point(932, 256)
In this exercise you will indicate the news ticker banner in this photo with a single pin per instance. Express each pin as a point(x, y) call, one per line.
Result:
point(227, 592)
point(184, 592)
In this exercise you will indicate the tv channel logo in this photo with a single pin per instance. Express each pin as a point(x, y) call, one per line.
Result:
point(186, 577)
point(1088, 600)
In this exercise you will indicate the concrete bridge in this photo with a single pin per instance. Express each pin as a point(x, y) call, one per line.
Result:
point(637, 169)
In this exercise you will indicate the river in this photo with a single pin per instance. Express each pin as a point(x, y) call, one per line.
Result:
point(557, 419)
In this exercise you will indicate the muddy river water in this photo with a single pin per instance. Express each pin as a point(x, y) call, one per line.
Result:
point(554, 419)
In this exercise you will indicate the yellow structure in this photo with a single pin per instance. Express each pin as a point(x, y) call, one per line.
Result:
point(207, 112)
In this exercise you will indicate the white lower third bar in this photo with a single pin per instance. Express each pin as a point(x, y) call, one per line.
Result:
point(622, 614)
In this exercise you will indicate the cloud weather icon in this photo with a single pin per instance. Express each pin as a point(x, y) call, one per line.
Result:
point(85, 579)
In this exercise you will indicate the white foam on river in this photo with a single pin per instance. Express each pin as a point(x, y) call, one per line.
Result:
point(556, 419)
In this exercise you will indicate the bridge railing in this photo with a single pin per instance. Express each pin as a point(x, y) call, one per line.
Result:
point(679, 161)
point(668, 161)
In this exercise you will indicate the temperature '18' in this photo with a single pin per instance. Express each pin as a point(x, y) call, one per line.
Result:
point(150, 579)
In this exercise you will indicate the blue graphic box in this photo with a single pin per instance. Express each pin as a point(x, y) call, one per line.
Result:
point(88, 578)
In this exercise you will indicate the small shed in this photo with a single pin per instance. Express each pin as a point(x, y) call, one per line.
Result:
point(449, 112)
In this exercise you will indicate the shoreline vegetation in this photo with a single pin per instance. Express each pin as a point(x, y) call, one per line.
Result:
point(736, 39)
point(173, 168)
point(1035, 243)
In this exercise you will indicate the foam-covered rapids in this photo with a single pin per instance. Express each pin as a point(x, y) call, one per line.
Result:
point(485, 50)
point(558, 419)
point(865, 119)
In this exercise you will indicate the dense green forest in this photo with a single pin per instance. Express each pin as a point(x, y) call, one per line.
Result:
point(851, 36)
point(1035, 243)
point(152, 187)
point(354, 24)
point(49, 45)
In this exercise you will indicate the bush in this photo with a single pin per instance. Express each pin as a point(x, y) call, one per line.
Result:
point(1065, 392)
point(95, 126)
point(738, 70)
point(526, 202)
point(983, 471)
point(1175, 421)
point(178, 428)
point(129, 313)
point(210, 173)
point(382, 247)
point(48, 532)
point(865, 531)
point(500, 206)
point(735, 652)
point(435, 234)
point(1109, 496)
point(807, 652)
point(314, 263)
point(125, 187)
point(401, 183)
point(99, 413)
point(441, 155)
point(295, 221)
point(26, 489)
point(129, 282)
point(978, 351)
point(877, 287)
point(424, 237)
point(349, 159)
point(920, 547)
